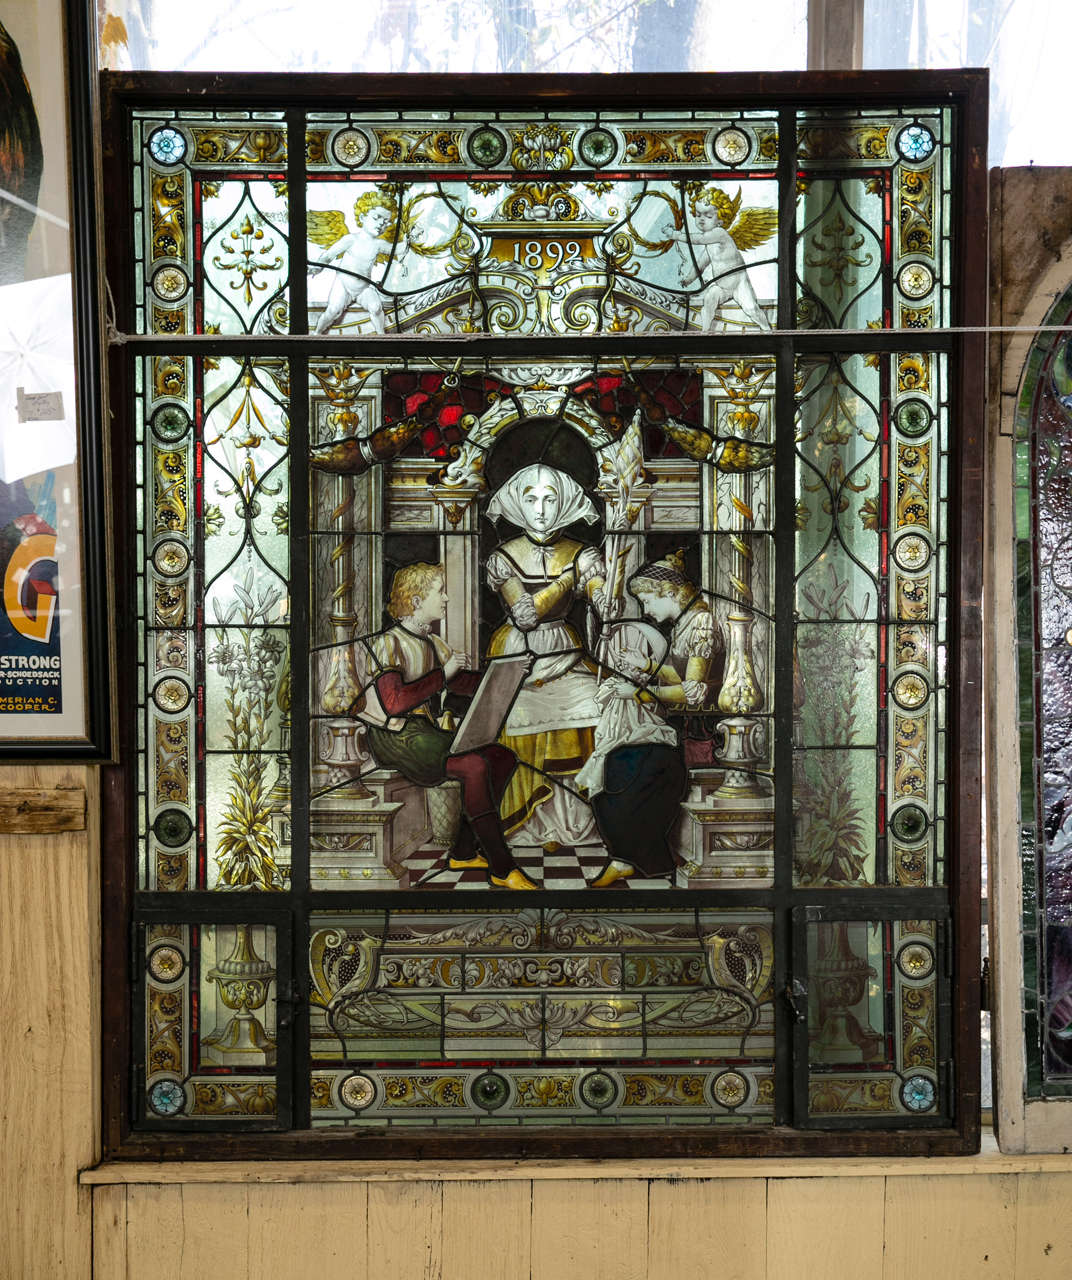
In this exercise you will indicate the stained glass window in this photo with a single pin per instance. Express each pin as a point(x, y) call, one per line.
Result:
point(546, 650)
point(1043, 441)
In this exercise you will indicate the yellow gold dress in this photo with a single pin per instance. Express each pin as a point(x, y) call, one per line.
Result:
point(551, 725)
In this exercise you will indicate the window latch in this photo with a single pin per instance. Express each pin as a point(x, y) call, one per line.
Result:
point(796, 997)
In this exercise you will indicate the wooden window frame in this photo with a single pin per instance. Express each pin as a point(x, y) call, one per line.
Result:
point(964, 341)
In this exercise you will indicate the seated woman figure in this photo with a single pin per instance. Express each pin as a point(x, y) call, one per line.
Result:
point(405, 671)
point(550, 727)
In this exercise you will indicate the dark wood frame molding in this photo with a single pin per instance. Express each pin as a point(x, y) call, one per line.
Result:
point(965, 344)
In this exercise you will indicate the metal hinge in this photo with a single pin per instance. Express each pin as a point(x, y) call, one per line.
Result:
point(984, 986)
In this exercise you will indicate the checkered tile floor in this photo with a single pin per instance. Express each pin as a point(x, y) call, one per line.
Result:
point(563, 869)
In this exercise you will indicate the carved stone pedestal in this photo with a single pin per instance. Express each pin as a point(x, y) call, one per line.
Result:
point(366, 831)
point(729, 839)
point(350, 836)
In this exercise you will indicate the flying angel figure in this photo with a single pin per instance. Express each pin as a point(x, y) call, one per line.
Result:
point(352, 255)
point(722, 230)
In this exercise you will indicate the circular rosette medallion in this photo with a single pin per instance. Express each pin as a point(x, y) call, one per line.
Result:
point(916, 961)
point(912, 552)
point(172, 695)
point(915, 143)
point(597, 147)
point(910, 691)
point(169, 283)
point(350, 147)
point(598, 1090)
point(731, 146)
point(913, 418)
point(490, 1090)
point(918, 1093)
point(487, 147)
point(170, 423)
point(915, 280)
point(730, 1089)
point(167, 1098)
point(171, 558)
point(357, 1092)
point(167, 145)
point(166, 964)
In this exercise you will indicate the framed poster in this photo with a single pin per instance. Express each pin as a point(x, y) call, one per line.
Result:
point(54, 676)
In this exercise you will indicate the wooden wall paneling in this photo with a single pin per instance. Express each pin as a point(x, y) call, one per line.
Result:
point(705, 1227)
point(155, 1233)
point(959, 1228)
point(405, 1230)
point(825, 1226)
point(487, 1230)
point(596, 1230)
point(217, 1231)
point(49, 1029)
point(310, 1230)
point(109, 1233)
point(1043, 1226)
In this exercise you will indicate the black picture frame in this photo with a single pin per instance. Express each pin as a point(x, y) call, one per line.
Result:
point(87, 681)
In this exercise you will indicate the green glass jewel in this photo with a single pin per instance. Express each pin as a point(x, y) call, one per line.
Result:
point(913, 418)
point(487, 147)
point(909, 823)
point(170, 422)
point(490, 1091)
point(598, 1090)
point(173, 828)
point(598, 147)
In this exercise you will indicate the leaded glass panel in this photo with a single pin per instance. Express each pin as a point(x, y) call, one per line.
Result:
point(210, 1024)
point(877, 1044)
point(1043, 452)
point(644, 1017)
point(542, 649)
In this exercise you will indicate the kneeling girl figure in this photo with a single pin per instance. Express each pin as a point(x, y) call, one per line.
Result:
point(407, 669)
point(636, 778)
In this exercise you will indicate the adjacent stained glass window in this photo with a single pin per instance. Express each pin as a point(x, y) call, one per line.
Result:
point(1044, 621)
point(547, 677)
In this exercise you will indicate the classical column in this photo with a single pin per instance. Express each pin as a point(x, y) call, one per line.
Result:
point(741, 696)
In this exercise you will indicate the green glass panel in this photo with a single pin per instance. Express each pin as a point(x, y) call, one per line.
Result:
point(838, 671)
point(873, 1018)
point(838, 483)
point(834, 818)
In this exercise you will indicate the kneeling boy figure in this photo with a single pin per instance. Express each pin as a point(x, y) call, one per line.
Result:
point(408, 668)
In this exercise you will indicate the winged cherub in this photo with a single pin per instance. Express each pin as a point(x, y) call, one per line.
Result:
point(722, 230)
point(352, 255)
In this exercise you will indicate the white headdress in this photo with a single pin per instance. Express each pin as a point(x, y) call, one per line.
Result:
point(573, 502)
